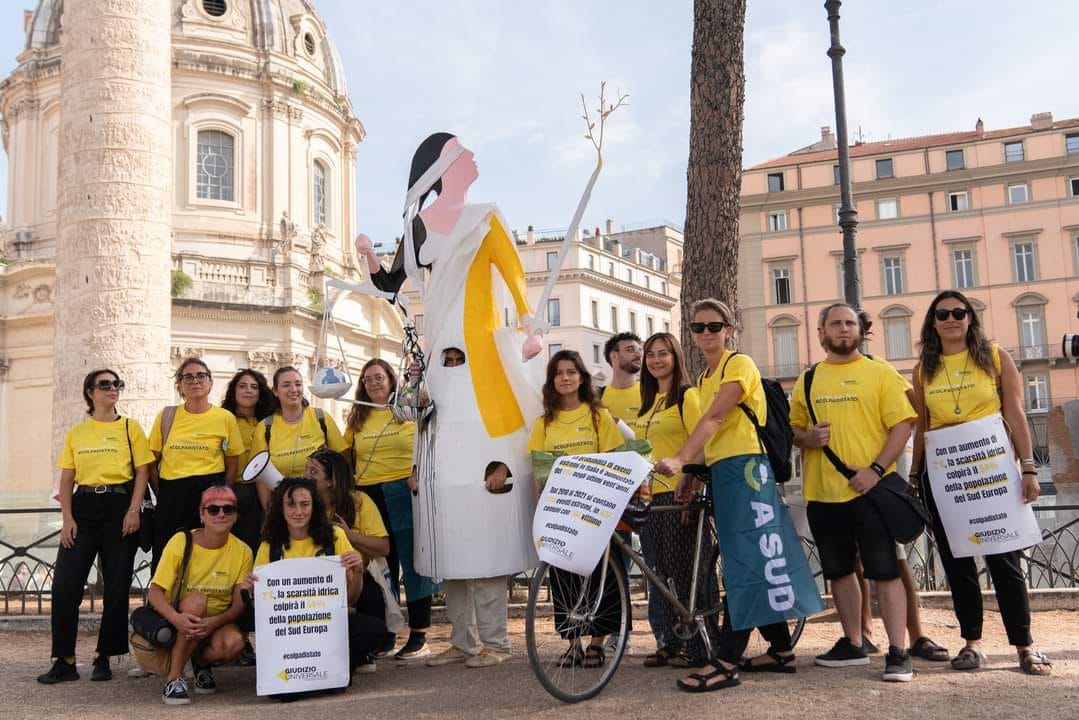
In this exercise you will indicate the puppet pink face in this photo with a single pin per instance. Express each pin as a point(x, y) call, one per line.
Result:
point(463, 172)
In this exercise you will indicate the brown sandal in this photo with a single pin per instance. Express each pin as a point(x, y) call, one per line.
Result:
point(1035, 663)
point(660, 658)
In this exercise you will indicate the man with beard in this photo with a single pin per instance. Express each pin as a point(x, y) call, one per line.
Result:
point(864, 416)
point(623, 396)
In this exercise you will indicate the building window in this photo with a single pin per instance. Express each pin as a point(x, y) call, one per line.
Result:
point(552, 261)
point(663, 287)
point(785, 350)
point(893, 275)
point(963, 268)
point(781, 286)
point(418, 322)
point(1013, 151)
point(777, 221)
point(553, 348)
point(318, 193)
point(216, 162)
point(591, 262)
point(595, 314)
point(610, 269)
point(214, 8)
point(1024, 265)
point(775, 182)
point(666, 326)
point(554, 312)
point(629, 275)
point(650, 325)
point(1037, 392)
point(595, 353)
point(887, 209)
point(1032, 331)
point(1017, 194)
point(614, 319)
point(1071, 143)
point(835, 174)
point(953, 159)
point(896, 333)
point(835, 212)
point(1073, 186)
point(647, 282)
point(884, 169)
point(841, 273)
point(632, 322)
point(958, 201)
point(1075, 247)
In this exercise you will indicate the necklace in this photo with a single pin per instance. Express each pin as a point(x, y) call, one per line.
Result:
point(954, 390)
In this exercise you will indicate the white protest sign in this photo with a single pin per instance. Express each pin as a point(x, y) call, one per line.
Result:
point(978, 489)
point(581, 505)
point(301, 625)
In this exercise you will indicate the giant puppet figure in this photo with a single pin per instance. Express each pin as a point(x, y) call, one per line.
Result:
point(467, 526)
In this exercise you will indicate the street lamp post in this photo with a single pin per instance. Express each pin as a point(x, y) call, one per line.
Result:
point(848, 216)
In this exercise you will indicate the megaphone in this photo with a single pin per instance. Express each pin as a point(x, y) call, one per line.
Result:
point(260, 469)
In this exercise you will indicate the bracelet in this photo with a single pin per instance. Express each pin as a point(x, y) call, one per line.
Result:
point(1026, 461)
point(1029, 472)
point(877, 468)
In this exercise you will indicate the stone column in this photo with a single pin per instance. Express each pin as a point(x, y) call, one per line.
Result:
point(113, 304)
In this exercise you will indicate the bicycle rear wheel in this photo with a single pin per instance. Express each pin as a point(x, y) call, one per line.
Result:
point(574, 613)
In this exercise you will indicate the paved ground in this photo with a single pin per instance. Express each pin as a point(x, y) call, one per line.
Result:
point(511, 691)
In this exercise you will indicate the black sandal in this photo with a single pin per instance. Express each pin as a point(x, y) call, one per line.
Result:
point(594, 657)
point(660, 658)
point(781, 664)
point(684, 660)
point(573, 657)
point(926, 649)
point(730, 679)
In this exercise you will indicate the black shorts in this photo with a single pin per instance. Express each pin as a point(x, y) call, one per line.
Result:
point(845, 531)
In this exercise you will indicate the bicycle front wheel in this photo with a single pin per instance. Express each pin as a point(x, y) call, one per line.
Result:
point(565, 611)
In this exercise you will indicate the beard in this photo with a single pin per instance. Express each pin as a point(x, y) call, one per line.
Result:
point(632, 367)
point(841, 347)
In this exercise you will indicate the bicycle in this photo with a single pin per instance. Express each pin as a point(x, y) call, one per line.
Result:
point(584, 609)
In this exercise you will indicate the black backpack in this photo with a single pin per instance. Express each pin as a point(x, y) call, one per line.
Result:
point(776, 435)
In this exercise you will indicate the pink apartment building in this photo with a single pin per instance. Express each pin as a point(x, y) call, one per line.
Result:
point(994, 213)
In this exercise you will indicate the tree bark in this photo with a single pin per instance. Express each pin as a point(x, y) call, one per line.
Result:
point(714, 174)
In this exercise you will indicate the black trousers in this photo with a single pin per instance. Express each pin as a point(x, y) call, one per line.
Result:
point(366, 622)
point(419, 611)
point(732, 643)
point(1009, 584)
point(249, 513)
point(99, 522)
point(178, 508)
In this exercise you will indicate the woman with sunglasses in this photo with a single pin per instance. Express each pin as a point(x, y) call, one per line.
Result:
point(961, 377)
point(574, 422)
point(732, 450)
point(381, 447)
point(197, 445)
point(249, 398)
point(295, 431)
point(210, 603)
point(103, 470)
point(298, 526)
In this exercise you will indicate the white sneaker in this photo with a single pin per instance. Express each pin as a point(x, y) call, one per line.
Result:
point(487, 658)
point(138, 672)
point(367, 667)
point(448, 656)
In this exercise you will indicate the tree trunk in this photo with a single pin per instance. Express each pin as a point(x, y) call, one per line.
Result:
point(714, 175)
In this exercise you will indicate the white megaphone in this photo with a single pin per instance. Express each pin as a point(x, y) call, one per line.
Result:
point(260, 469)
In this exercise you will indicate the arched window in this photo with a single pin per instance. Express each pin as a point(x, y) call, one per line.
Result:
point(1030, 317)
point(216, 165)
point(318, 194)
point(896, 332)
point(785, 346)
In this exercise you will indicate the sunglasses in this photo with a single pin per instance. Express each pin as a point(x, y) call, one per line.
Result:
point(215, 509)
point(712, 327)
point(109, 384)
point(957, 313)
point(196, 377)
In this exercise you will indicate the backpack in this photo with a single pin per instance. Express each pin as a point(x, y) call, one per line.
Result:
point(268, 422)
point(776, 436)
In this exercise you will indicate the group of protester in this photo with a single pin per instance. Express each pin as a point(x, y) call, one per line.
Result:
point(351, 495)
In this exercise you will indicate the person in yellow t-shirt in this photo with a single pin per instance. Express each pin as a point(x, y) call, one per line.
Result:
point(103, 470)
point(209, 603)
point(623, 396)
point(730, 389)
point(574, 422)
point(960, 377)
point(381, 446)
point(863, 415)
point(298, 526)
point(197, 445)
point(670, 409)
point(295, 431)
point(249, 398)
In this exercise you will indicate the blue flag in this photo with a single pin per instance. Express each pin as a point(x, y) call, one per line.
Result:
point(765, 571)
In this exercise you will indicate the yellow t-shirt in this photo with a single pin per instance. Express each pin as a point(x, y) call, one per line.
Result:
point(304, 548)
point(960, 382)
point(368, 519)
point(197, 442)
point(624, 403)
point(98, 452)
point(736, 434)
point(247, 432)
point(292, 443)
point(390, 442)
point(212, 572)
point(863, 400)
point(668, 431)
point(572, 433)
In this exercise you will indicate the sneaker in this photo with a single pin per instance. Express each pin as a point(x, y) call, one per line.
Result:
point(204, 682)
point(869, 647)
point(611, 644)
point(366, 666)
point(487, 658)
point(447, 656)
point(898, 666)
point(102, 671)
point(388, 645)
point(416, 647)
point(61, 671)
point(842, 654)
point(138, 672)
point(247, 657)
point(175, 692)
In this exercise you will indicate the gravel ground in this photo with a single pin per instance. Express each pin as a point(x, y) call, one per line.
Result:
point(511, 691)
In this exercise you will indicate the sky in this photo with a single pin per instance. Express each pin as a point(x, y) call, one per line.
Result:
point(507, 77)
